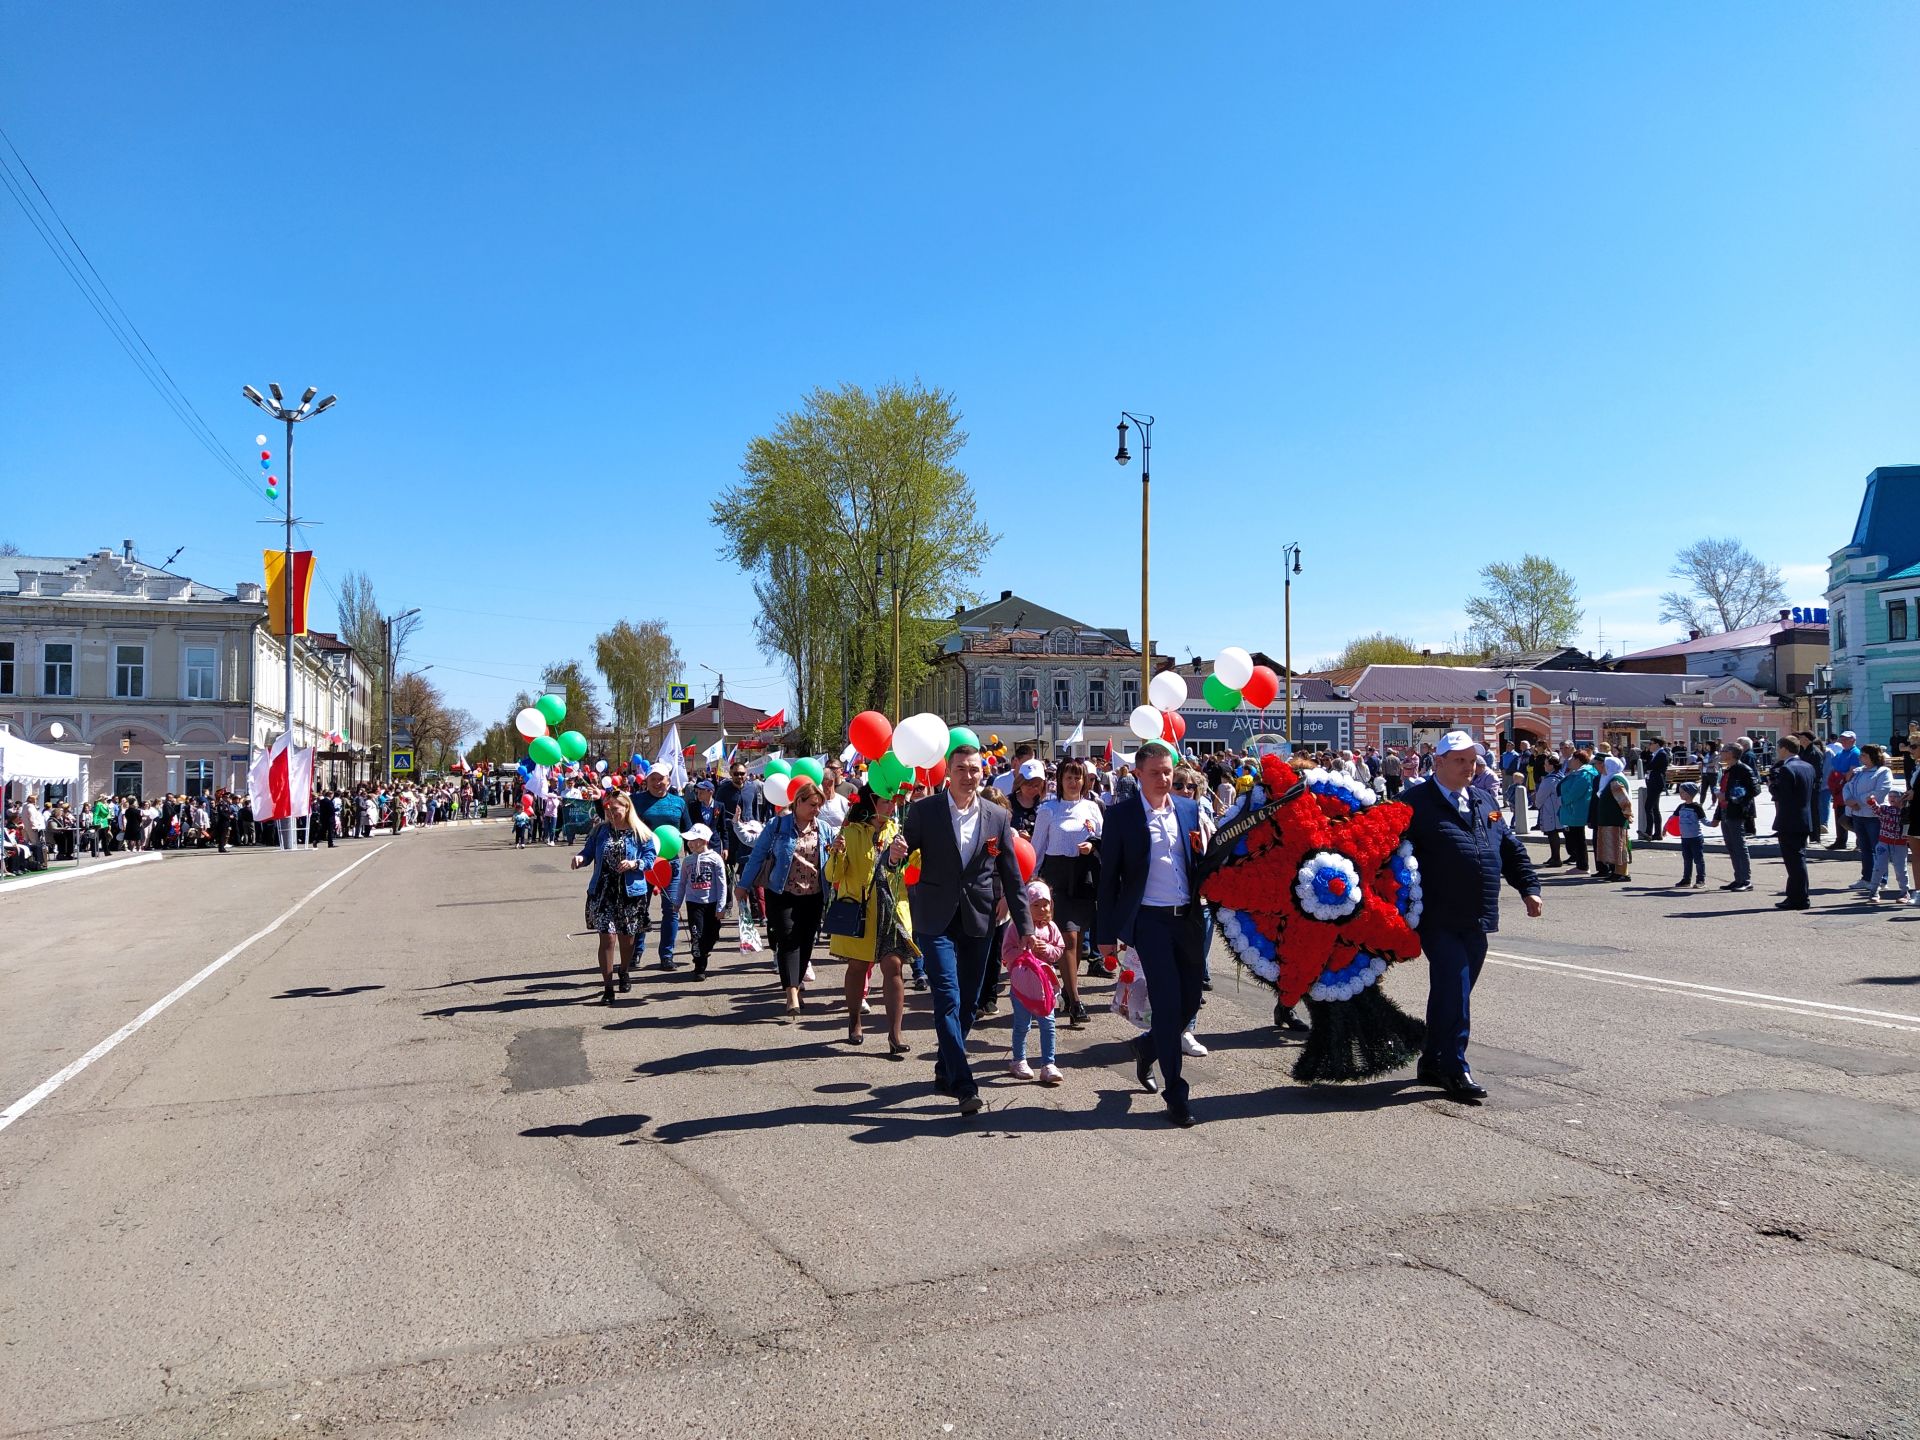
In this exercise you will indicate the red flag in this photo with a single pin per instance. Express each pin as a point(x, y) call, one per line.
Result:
point(774, 721)
point(276, 564)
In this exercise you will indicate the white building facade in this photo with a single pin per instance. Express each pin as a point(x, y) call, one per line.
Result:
point(160, 684)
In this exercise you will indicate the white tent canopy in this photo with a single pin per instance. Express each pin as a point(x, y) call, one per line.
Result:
point(21, 759)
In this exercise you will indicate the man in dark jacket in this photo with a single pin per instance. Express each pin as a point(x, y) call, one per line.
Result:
point(1791, 783)
point(1657, 763)
point(965, 845)
point(1737, 791)
point(1464, 850)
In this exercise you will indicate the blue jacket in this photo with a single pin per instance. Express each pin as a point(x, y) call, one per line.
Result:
point(1576, 796)
point(603, 850)
point(773, 853)
point(1124, 850)
point(1462, 862)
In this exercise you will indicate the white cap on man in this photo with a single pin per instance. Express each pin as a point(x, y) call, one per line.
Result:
point(1848, 735)
point(1457, 740)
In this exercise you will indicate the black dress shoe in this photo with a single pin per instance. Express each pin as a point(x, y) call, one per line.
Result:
point(970, 1105)
point(1464, 1088)
point(1143, 1070)
point(1793, 905)
point(1428, 1073)
point(1181, 1118)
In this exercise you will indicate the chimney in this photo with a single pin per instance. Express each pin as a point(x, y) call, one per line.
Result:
point(1783, 616)
point(126, 551)
point(1426, 654)
point(1006, 594)
point(1693, 634)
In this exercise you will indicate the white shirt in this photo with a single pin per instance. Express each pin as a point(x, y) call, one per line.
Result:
point(1455, 798)
point(835, 810)
point(966, 828)
point(1166, 869)
point(1064, 825)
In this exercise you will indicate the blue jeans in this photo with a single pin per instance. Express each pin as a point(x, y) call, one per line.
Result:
point(1889, 860)
point(1023, 1021)
point(1693, 859)
point(1167, 947)
point(669, 920)
point(1734, 831)
point(1866, 829)
point(1454, 958)
point(956, 963)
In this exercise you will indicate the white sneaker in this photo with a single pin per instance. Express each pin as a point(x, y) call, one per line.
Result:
point(1191, 1046)
point(1050, 1075)
point(1020, 1070)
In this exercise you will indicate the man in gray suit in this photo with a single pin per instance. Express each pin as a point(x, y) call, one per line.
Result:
point(966, 846)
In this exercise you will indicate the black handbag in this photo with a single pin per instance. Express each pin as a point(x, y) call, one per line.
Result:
point(846, 916)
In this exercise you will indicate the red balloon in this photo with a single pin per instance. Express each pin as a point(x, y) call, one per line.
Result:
point(266, 454)
point(871, 734)
point(932, 776)
point(1023, 852)
point(1262, 687)
point(526, 803)
point(661, 874)
point(1173, 727)
point(911, 874)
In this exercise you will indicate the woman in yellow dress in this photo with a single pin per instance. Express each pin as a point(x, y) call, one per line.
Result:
point(857, 869)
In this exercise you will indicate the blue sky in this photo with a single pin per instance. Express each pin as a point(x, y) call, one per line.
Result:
point(1419, 286)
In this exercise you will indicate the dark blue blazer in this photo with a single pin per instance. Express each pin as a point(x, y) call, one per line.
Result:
point(1123, 865)
point(1462, 862)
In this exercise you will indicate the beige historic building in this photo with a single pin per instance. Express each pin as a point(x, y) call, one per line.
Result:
point(157, 682)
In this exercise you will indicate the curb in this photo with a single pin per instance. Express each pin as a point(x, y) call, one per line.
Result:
point(29, 882)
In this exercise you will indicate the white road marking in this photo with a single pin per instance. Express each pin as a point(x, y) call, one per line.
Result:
point(28, 882)
point(1754, 999)
point(53, 1082)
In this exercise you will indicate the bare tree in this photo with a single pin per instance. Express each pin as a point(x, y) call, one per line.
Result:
point(7, 547)
point(1524, 607)
point(1729, 588)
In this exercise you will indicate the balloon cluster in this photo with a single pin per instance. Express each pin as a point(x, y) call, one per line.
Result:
point(534, 722)
point(266, 467)
point(1236, 680)
point(1161, 718)
point(914, 751)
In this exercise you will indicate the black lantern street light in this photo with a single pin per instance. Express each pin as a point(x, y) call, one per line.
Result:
point(1573, 731)
point(1146, 481)
point(1289, 567)
point(1513, 739)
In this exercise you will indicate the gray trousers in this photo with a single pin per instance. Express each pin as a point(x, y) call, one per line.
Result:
point(1735, 832)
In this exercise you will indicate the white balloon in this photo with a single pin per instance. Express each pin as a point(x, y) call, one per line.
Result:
point(1145, 722)
point(259, 439)
point(774, 787)
point(1234, 667)
point(530, 723)
point(1168, 691)
point(921, 740)
point(600, 766)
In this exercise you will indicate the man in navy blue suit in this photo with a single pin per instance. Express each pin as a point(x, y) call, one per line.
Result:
point(1150, 853)
point(1464, 848)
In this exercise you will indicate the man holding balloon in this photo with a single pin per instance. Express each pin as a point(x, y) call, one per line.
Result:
point(661, 810)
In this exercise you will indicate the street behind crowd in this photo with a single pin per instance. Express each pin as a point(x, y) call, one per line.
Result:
point(389, 1173)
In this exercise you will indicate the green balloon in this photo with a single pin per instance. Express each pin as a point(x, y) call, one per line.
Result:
point(1219, 694)
point(668, 841)
point(777, 766)
point(545, 750)
point(888, 774)
point(553, 707)
point(960, 735)
point(573, 744)
point(811, 768)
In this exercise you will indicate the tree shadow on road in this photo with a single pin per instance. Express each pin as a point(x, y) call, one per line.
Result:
point(602, 1127)
point(324, 992)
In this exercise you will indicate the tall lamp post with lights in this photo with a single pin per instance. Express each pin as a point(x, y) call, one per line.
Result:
point(290, 415)
point(1146, 483)
point(1513, 737)
point(1289, 567)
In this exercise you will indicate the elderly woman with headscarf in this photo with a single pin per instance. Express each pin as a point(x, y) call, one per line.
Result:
point(1612, 814)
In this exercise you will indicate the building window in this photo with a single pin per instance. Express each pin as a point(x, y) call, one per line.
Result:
point(127, 775)
point(1129, 694)
point(56, 676)
point(203, 672)
point(1840, 628)
point(1700, 740)
point(1764, 742)
point(990, 694)
point(1062, 695)
point(1906, 712)
point(1060, 642)
point(1896, 620)
point(198, 778)
point(129, 671)
point(6, 667)
point(1396, 737)
point(1097, 696)
point(1027, 698)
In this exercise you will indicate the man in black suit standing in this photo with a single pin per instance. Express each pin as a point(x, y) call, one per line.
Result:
point(1464, 849)
point(1791, 783)
point(965, 845)
point(1151, 848)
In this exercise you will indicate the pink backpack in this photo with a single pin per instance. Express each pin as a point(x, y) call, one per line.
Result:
point(1032, 984)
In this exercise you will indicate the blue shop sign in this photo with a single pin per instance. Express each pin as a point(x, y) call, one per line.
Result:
point(1809, 615)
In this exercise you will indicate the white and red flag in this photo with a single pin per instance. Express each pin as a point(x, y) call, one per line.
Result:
point(281, 782)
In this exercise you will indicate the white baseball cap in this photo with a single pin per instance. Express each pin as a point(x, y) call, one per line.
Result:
point(699, 832)
point(1457, 740)
point(1848, 735)
point(1032, 770)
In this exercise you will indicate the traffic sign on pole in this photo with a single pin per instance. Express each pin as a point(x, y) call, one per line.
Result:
point(402, 762)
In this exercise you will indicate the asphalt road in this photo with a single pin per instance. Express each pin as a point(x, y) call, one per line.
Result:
point(384, 1172)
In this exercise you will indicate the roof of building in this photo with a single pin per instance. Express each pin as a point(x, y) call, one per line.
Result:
point(1449, 684)
point(1912, 572)
point(12, 567)
point(1886, 526)
point(1751, 635)
point(1553, 657)
point(1014, 612)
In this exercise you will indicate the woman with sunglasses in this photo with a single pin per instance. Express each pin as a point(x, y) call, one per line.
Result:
point(1066, 837)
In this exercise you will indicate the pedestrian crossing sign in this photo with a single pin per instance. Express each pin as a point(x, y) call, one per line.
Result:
point(677, 694)
point(403, 762)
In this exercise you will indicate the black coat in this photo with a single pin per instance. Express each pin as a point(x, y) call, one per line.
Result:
point(1792, 787)
point(1461, 864)
point(947, 888)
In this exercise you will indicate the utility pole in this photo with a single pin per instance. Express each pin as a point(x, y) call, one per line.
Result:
point(387, 625)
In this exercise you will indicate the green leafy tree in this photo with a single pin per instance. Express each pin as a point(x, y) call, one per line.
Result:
point(583, 709)
point(1527, 606)
point(638, 663)
point(1728, 588)
point(851, 512)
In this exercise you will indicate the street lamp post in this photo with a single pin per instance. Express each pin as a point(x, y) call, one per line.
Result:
point(291, 415)
point(1289, 567)
point(1513, 740)
point(1573, 730)
point(1146, 484)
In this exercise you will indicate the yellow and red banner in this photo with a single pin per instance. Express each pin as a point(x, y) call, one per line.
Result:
point(277, 594)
